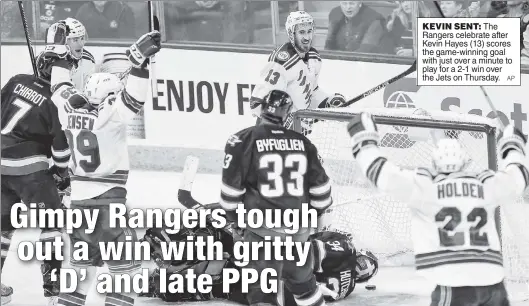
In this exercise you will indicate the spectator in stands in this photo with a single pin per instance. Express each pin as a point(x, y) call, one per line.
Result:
point(209, 21)
point(11, 26)
point(53, 11)
point(454, 9)
point(399, 36)
point(354, 26)
point(107, 19)
point(520, 9)
point(474, 9)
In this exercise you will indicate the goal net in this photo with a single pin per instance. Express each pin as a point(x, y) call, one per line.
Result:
point(375, 220)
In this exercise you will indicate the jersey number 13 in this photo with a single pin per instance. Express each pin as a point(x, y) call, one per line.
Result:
point(292, 167)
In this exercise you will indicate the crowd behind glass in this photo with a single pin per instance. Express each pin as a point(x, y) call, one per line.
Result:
point(368, 27)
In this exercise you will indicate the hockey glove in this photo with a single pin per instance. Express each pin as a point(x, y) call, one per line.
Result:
point(55, 40)
point(155, 237)
point(338, 100)
point(511, 138)
point(363, 132)
point(148, 45)
point(61, 177)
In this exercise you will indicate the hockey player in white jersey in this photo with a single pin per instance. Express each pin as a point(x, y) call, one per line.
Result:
point(85, 62)
point(294, 68)
point(96, 128)
point(455, 236)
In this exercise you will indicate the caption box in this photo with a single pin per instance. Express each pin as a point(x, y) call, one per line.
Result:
point(468, 52)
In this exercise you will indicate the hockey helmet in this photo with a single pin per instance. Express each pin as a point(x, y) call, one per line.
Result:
point(449, 156)
point(294, 19)
point(101, 86)
point(276, 106)
point(76, 30)
point(366, 266)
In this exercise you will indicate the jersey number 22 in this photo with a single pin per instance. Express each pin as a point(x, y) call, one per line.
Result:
point(293, 164)
point(450, 236)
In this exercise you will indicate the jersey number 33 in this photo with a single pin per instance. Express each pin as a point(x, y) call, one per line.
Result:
point(285, 175)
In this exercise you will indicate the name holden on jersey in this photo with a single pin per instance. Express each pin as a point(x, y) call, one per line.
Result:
point(204, 96)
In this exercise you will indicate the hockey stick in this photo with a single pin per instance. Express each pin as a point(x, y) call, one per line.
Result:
point(408, 71)
point(28, 39)
point(186, 184)
point(489, 101)
point(154, 25)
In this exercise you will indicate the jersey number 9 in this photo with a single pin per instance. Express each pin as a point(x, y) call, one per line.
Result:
point(86, 144)
point(293, 164)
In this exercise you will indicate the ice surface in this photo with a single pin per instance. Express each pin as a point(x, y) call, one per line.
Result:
point(395, 286)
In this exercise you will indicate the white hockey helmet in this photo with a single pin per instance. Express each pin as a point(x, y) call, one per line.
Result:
point(449, 156)
point(101, 86)
point(76, 28)
point(294, 19)
point(76, 31)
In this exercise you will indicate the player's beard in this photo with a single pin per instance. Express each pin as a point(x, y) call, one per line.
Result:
point(303, 45)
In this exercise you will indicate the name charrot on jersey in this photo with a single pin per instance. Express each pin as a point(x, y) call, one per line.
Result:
point(29, 94)
point(279, 145)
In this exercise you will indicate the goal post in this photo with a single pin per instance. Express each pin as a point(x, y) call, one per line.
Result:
point(382, 224)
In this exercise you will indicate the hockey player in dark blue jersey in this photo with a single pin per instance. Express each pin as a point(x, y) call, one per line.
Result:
point(338, 267)
point(31, 134)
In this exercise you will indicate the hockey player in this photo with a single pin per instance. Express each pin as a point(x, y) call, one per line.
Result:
point(31, 133)
point(266, 167)
point(294, 68)
point(338, 266)
point(456, 242)
point(84, 61)
point(96, 127)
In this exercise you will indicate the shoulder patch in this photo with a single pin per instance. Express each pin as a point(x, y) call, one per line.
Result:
point(233, 140)
point(283, 55)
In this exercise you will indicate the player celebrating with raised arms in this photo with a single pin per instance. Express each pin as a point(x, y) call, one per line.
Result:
point(96, 127)
point(267, 167)
point(456, 241)
point(294, 68)
point(84, 61)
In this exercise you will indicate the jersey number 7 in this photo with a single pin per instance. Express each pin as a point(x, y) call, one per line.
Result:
point(23, 108)
point(293, 164)
point(86, 144)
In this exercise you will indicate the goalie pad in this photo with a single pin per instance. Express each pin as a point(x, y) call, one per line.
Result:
point(363, 132)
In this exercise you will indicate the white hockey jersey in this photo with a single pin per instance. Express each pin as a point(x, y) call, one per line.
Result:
point(288, 72)
point(454, 230)
point(85, 67)
point(98, 137)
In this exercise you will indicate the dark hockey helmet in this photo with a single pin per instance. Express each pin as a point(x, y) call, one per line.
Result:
point(276, 106)
point(44, 63)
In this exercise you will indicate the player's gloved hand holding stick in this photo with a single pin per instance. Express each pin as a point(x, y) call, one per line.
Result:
point(61, 176)
point(146, 46)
